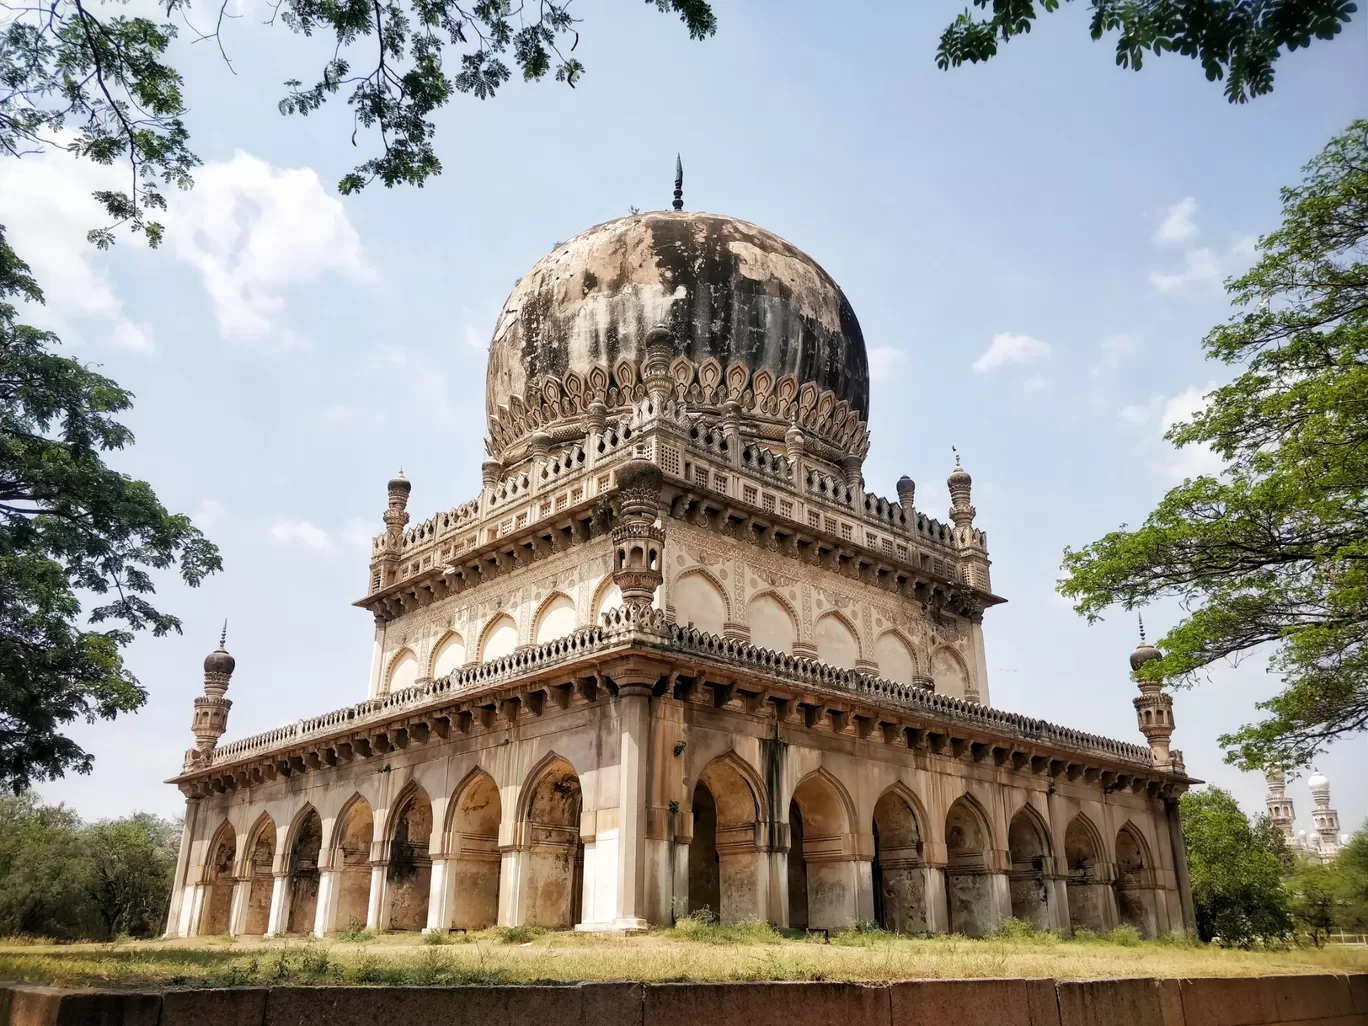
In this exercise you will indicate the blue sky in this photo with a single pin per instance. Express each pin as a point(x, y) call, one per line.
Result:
point(1034, 248)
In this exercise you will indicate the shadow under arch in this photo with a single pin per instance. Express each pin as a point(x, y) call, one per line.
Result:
point(472, 831)
point(1086, 883)
point(1028, 848)
point(821, 871)
point(218, 878)
point(304, 849)
point(549, 805)
point(1135, 881)
point(968, 886)
point(899, 866)
point(350, 856)
point(408, 873)
point(259, 870)
point(727, 825)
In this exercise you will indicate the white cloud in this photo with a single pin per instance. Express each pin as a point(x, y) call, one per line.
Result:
point(884, 360)
point(48, 210)
point(253, 230)
point(301, 532)
point(1136, 416)
point(1035, 383)
point(1008, 348)
point(1161, 413)
point(209, 515)
point(1177, 225)
point(1199, 265)
point(358, 534)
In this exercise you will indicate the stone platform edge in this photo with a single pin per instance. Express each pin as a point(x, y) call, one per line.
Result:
point(1310, 1000)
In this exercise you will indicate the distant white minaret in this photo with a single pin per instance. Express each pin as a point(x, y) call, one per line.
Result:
point(1280, 811)
point(1324, 820)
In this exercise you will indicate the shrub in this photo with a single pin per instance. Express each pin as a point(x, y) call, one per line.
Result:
point(1125, 935)
point(356, 931)
point(518, 934)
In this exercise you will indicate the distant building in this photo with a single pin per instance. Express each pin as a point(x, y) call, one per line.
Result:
point(1325, 839)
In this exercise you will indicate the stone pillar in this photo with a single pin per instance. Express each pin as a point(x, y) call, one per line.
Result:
point(937, 908)
point(512, 870)
point(278, 920)
point(1000, 905)
point(377, 666)
point(325, 912)
point(1180, 866)
point(440, 896)
point(864, 889)
point(377, 911)
point(237, 907)
point(635, 699)
point(192, 807)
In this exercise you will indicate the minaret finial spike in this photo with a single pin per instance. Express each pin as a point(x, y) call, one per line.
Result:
point(957, 457)
point(679, 183)
point(223, 635)
point(1141, 618)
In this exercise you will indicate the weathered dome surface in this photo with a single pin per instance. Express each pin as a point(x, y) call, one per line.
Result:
point(727, 290)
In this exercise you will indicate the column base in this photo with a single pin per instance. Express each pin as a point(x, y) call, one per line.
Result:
point(628, 925)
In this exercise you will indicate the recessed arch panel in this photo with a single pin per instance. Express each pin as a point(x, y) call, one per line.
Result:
point(500, 638)
point(701, 601)
point(555, 619)
point(837, 642)
point(771, 622)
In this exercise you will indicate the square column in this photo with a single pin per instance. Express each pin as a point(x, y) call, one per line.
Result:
point(631, 890)
point(325, 912)
point(440, 896)
point(280, 904)
point(237, 907)
point(377, 912)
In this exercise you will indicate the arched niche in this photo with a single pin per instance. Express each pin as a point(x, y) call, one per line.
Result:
point(1028, 847)
point(449, 655)
point(821, 884)
point(968, 892)
point(261, 845)
point(899, 868)
point(555, 619)
point(354, 832)
point(896, 661)
point(554, 853)
point(700, 601)
point(1134, 881)
point(608, 596)
point(1084, 887)
point(837, 643)
point(949, 672)
point(303, 868)
point(474, 848)
point(500, 638)
point(408, 877)
point(218, 882)
point(403, 672)
point(771, 622)
point(724, 853)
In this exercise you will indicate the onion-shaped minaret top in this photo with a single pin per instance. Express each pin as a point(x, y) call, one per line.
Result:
point(961, 510)
point(1153, 707)
point(219, 662)
point(1144, 652)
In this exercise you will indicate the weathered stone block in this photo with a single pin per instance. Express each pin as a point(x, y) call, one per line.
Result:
point(423, 1006)
point(48, 1006)
point(750, 1004)
point(237, 1006)
point(1134, 1002)
point(1311, 997)
point(1243, 1001)
point(983, 1002)
point(1171, 1002)
point(612, 1004)
point(1358, 992)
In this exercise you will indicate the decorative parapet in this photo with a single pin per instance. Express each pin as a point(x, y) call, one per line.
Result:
point(623, 628)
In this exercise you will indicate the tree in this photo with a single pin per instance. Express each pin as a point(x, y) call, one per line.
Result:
point(70, 526)
point(1237, 891)
point(1237, 40)
point(1311, 891)
point(133, 863)
point(1273, 551)
point(68, 65)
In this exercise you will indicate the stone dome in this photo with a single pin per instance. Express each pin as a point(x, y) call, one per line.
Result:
point(1318, 782)
point(750, 318)
point(219, 661)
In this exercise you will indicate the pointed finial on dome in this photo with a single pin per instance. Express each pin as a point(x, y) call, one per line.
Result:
point(1144, 652)
point(1141, 618)
point(679, 183)
point(223, 634)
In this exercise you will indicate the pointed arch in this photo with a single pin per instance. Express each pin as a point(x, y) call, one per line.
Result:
point(727, 823)
point(699, 598)
point(303, 852)
point(472, 831)
point(607, 596)
point(1135, 880)
point(217, 877)
point(826, 804)
point(353, 841)
point(409, 871)
point(772, 620)
point(259, 856)
point(837, 639)
point(896, 656)
point(968, 892)
point(402, 671)
point(1028, 848)
point(1132, 850)
point(549, 830)
point(949, 671)
point(447, 655)
point(1085, 885)
point(499, 637)
point(821, 846)
point(1083, 847)
point(898, 871)
point(556, 617)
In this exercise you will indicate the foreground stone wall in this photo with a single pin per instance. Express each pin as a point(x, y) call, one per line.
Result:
point(1254, 1001)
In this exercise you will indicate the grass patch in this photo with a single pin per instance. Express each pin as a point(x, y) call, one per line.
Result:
point(697, 948)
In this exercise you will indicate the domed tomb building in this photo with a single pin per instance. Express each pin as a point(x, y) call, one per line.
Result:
point(676, 655)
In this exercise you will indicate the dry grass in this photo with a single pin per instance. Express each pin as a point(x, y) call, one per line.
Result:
point(693, 951)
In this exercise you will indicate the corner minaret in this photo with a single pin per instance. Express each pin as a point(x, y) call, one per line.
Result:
point(971, 544)
point(638, 541)
point(1324, 820)
point(1154, 708)
point(385, 566)
point(211, 709)
point(1280, 810)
